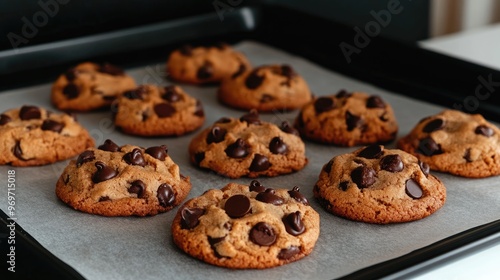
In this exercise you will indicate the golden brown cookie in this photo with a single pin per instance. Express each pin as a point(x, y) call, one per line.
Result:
point(89, 86)
point(243, 226)
point(248, 147)
point(265, 88)
point(32, 135)
point(157, 111)
point(455, 142)
point(347, 119)
point(200, 65)
point(123, 181)
point(381, 186)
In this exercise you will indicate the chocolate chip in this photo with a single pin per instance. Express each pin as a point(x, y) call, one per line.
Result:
point(29, 113)
point(145, 115)
point(428, 147)
point(216, 135)
point(18, 152)
point(277, 146)
point(66, 179)
point(52, 125)
point(104, 198)
point(433, 125)
point(223, 120)
point(256, 186)
point(413, 189)
point(293, 224)
point(171, 94)
point(323, 104)
point(241, 69)
point(238, 149)
point(71, 74)
point(353, 121)
point(199, 157)
point(108, 97)
point(110, 69)
point(343, 93)
point(288, 253)
point(424, 167)
point(165, 195)
point(84, 157)
point(392, 163)
point(328, 166)
point(4, 119)
point(206, 71)
point(383, 117)
point(251, 118)
point(71, 91)
point(138, 188)
point(259, 163)
point(158, 152)
point(375, 101)
point(109, 146)
point(134, 158)
point(344, 185)
point(287, 71)
point(164, 110)
point(186, 50)
point(103, 172)
point(253, 80)
point(262, 234)
point(268, 196)
point(295, 194)
point(214, 240)
point(190, 217)
point(286, 127)
point(138, 93)
point(484, 130)
point(467, 155)
point(266, 98)
point(363, 176)
point(372, 151)
point(237, 206)
point(198, 111)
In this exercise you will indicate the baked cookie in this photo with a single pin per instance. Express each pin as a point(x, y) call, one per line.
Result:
point(381, 186)
point(243, 226)
point(266, 88)
point(200, 65)
point(157, 111)
point(32, 135)
point(90, 86)
point(248, 147)
point(347, 119)
point(455, 142)
point(123, 181)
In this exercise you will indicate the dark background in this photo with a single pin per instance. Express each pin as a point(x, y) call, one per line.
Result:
point(78, 18)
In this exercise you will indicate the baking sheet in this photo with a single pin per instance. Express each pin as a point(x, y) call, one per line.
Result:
point(142, 248)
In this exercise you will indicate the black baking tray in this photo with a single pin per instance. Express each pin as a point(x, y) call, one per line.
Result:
point(399, 67)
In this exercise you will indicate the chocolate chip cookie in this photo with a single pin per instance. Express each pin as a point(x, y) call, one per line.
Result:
point(347, 119)
point(266, 88)
point(124, 180)
point(157, 111)
point(244, 226)
point(455, 142)
point(381, 186)
point(248, 147)
point(205, 64)
point(31, 135)
point(89, 86)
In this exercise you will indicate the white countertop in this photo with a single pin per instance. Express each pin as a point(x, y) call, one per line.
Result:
point(480, 46)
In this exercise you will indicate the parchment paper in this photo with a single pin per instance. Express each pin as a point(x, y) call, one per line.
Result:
point(142, 248)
